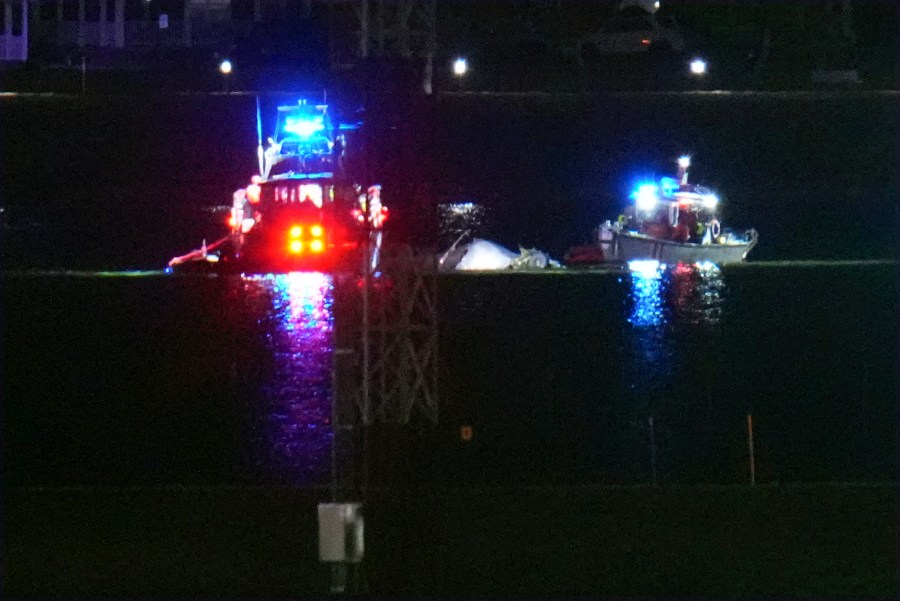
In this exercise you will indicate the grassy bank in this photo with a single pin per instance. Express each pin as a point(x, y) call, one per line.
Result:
point(828, 540)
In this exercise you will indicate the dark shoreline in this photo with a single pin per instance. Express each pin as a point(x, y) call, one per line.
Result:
point(733, 541)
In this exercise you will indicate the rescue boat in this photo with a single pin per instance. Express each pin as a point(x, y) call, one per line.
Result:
point(301, 212)
point(673, 221)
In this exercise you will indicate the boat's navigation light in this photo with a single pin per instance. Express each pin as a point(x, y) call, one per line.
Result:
point(698, 66)
point(225, 67)
point(253, 190)
point(684, 161)
point(645, 198)
point(710, 201)
point(460, 66)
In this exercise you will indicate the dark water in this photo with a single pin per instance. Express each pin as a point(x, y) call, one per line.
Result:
point(154, 378)
point(196, 380)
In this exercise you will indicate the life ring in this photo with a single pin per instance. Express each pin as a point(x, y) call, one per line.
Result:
point(673, 215)
point(622, 220)
point(714, 228)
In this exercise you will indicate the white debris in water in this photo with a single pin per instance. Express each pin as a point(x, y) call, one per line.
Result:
point(484, 255)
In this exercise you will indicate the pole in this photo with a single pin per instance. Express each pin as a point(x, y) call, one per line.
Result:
point(83, 74)
point(750, 448)
point(365, 324)
point(652, 450)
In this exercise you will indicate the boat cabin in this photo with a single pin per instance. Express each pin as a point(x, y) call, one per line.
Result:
point(673, 209)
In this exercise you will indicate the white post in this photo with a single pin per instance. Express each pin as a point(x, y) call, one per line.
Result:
point(257, 11)
point(366, 397)
point(430, 14)
point(59, 11)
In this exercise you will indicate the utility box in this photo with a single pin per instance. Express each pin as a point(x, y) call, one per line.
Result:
point(341, 532)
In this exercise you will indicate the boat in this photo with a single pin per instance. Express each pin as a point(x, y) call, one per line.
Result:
point(673, 221)
point(301, 212)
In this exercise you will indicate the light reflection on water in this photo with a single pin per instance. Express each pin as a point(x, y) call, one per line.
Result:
point(297, 392)
point(663, 295)
point(661, 300)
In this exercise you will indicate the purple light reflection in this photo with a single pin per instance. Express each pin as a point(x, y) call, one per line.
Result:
point(297, 390)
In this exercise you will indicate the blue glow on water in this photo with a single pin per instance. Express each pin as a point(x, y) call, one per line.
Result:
point(646, 294)
point(666, 306)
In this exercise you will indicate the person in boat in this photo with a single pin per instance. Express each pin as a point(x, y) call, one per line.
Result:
point(627, 219)
point(658, 226)
point(687, 227)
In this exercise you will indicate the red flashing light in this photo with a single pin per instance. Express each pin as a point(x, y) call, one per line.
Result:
point(645, 42)
point(305, 238)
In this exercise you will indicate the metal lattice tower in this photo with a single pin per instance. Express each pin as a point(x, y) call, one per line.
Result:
point(401, 333)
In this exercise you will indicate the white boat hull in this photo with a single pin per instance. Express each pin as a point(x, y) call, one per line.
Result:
point(621, 245)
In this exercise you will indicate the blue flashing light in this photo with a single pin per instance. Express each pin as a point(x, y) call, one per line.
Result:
point(646, 197)
point(668, 186)
point(304, 128)
point(293, 176)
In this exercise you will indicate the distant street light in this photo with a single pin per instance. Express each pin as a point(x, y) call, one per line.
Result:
point(225, 67)
point(698, 66)
point(460, 67)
